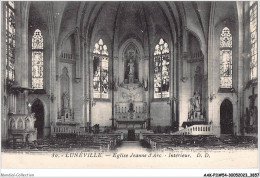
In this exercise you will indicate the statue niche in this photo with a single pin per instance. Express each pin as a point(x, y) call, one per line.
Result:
point(131, 56)
point(130, 107)
point(195, 107)
point(66, 113)
point(198, 77)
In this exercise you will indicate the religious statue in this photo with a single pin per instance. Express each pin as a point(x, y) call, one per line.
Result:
point(196, 101)
point(131, 67)
point(247, 121)
point(191, 115)
point(65, 100)
point(131, 72)
point(195, 110)
point(253, 116)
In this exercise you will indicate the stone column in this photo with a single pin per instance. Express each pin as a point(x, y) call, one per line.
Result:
point(185, 55)
point(52, 93)
point(114, 88)
point(241, 59)
point(209, 70)
point(78, 55)
point(90, 84)
point(4, 107)
point(85, 82)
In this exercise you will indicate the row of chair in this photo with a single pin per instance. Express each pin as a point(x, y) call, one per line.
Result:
point(170, 142)
point(69, 142)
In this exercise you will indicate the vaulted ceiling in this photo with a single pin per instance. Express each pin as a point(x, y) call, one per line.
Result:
point(122, 20)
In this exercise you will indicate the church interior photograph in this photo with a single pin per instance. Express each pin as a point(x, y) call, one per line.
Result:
point(93, 75)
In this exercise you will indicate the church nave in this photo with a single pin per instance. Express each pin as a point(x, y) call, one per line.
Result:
point(90, 75)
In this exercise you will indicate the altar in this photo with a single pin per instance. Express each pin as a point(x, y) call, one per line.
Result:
point(131, 105)
point(131, 115)
point(131, 110)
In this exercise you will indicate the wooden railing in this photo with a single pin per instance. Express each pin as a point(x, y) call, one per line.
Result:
point(64, 130)
point(67, 129)
point(196, 130)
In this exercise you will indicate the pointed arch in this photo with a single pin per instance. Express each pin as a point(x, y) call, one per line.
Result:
point(20, 124)
point(226, 117)
point(38, 108)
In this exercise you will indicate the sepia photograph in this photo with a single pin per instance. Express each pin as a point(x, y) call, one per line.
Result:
point(129, 84)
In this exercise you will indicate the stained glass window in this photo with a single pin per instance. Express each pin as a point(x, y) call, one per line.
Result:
point(37, 60)
point(161, 70)
point(225, 59)
point(100, 70)
point(253, 39)
point(10, 42)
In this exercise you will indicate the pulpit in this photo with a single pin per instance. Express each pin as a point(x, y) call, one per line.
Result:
point(21, 128)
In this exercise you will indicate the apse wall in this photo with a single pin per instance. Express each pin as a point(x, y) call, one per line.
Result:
point(118, 24)
point(102, 114)
point(160, 114)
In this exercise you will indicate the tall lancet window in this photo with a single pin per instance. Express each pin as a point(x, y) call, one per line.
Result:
point(10, 41)
point(100, 70)
point(225, 59)
point(37, 60)
point(253, 39)
point(161, 70)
